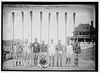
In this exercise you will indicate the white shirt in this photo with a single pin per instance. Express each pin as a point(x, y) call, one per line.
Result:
point(15, 49)
point(69, 49)
point(26, 48)
point(51, 49)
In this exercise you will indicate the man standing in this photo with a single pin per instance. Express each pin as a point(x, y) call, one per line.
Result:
point(77, 51)
point(51, 53)
point(26, 51)
point(36, 50)
point(59, 49)
point(14, 54)
point(69, 53)
point(43, 55)
point(43, 47)
point(18, 53)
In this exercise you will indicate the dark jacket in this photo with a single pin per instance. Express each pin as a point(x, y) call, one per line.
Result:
point(43, 48)
point(77, 49)
point(36, 47)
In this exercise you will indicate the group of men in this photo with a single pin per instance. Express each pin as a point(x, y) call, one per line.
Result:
point(44, 54)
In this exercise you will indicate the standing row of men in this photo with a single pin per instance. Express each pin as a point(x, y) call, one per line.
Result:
point(23, 53)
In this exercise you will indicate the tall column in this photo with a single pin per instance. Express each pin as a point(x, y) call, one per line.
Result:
point(57, 17)
point(13, 16)
point(31, 13)
point(31, 23)
point(74, 21)
point(40, 26)
point(49, 26)
point(65, 28)
point(65, 33)
point(22, 26)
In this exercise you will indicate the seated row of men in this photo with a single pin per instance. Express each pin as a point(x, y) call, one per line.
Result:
point(36, 54)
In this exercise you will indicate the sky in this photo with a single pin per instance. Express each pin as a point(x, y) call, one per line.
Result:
point(84, 14)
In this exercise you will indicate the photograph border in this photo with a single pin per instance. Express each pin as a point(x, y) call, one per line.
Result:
point(54, 3)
